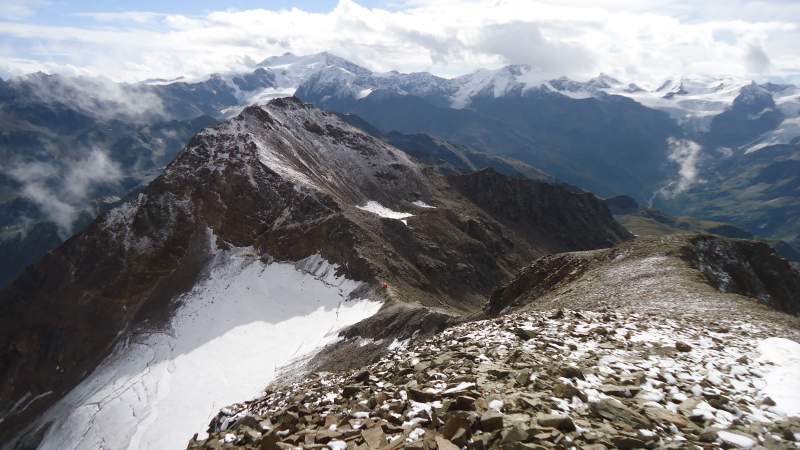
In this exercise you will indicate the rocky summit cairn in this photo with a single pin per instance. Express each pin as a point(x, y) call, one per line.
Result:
point(563, 379)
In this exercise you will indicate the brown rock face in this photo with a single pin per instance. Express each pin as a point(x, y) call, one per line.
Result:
point(285, 179)
point(543, 212)
point(537, 279)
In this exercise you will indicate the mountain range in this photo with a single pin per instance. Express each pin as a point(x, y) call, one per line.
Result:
point(715, 148)
point(462, 254)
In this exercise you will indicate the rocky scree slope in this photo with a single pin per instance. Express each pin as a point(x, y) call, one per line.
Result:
point(538, 380)
point(290, 181)
point(692, 276)
point(667, 342)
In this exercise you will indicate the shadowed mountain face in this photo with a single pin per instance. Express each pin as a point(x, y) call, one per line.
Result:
point(752, 113)
point(290, 181)
point(610, 145)
point(449, 157)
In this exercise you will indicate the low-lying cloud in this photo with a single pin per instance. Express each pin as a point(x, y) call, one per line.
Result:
point(97, 97)
point(63, 192)
point(757, 60)
point(686, 154)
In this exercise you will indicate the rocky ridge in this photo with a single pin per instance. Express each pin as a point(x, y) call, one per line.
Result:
point(563, 379)
point(686, 275)
point(286, 181)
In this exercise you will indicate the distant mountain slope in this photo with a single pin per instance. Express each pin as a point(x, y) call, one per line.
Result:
point(603, 135)
point(758, 191)
point(283, 183)
point(447, 156)
point(608, 146)
point(651, 221)
point(65, 160)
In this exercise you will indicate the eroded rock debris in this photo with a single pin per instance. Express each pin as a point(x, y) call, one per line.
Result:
point(537, 380)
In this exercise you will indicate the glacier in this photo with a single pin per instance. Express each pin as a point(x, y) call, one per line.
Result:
point(227, 340)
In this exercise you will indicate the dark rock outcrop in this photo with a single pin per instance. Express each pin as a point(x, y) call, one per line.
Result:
point(748, 268)
point(543, 211)
point(622, 204)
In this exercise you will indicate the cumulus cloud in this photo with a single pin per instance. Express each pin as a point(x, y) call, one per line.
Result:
point(524, 43)
point(62, 191)
point(686, 154)
point(646, 40)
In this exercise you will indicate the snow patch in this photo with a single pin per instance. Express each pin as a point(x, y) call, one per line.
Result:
point(382, 211)
point(783, 134)
point(363, 93)
point(421, 204)
point(226, 342)
point(783, 380)
point(738, 440)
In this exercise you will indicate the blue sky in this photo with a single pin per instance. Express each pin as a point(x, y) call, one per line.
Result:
point(642, 40)
point(63, 12)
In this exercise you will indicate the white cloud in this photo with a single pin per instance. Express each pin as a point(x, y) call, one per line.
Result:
point(757, 60)
point(62, 193)
point(138, 17)
point(645, 40)
point(98, 97)
point(686, 154)
point(524, 43)
point(20, 9)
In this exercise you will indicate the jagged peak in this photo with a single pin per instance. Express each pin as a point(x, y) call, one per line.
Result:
point(292, 102)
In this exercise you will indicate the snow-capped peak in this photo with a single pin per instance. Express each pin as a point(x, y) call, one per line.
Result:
point(604, 81)
point(495, 83)
point(292, 70)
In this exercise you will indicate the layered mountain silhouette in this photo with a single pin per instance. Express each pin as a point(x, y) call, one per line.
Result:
point(601, 135)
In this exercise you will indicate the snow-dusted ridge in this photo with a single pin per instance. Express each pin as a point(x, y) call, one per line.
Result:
point(314, 150)
point(231, 335)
